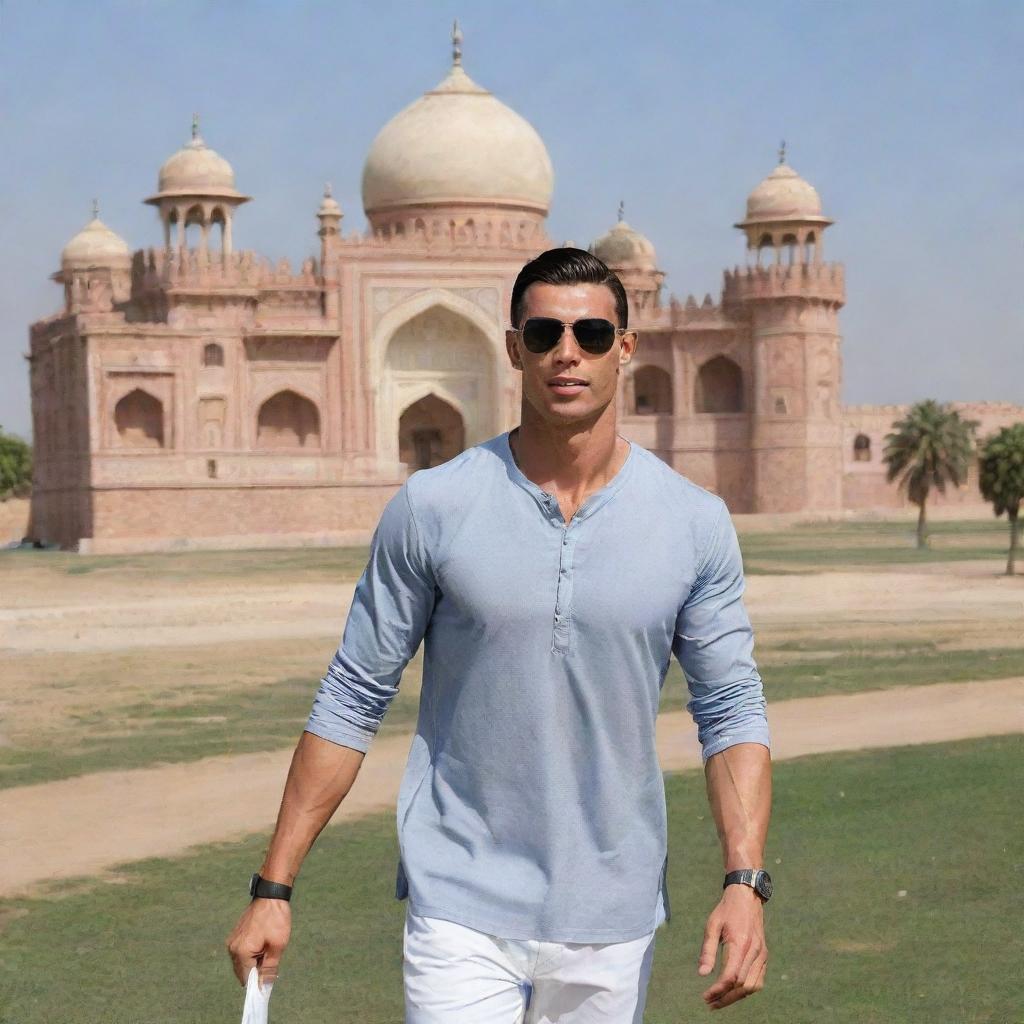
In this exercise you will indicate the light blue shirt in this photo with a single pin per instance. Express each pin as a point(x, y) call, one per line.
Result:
point(533, 803)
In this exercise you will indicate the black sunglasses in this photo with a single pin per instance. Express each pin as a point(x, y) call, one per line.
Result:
point(594, 334)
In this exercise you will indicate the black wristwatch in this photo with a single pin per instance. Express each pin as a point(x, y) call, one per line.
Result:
point(758, 879)
point(260, 888)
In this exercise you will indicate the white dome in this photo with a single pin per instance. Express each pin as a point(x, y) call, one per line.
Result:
point(96, 246)
point(457, 144)
point(329, 205)
point(196, 170)
point(625, 247)
point(784, 195)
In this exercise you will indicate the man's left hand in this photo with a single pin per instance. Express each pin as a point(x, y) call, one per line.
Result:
point(738, 922)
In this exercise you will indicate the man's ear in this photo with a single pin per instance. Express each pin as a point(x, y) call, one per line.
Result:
point(627, 347)
point(512, 347)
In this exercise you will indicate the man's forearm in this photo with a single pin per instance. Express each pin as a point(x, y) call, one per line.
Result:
point(739, 786)
point(320, 776)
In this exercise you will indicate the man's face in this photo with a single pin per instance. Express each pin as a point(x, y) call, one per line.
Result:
point(564, 403)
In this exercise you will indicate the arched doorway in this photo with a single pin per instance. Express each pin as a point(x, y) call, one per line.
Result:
point(139, 419)
point(288, 420)
point(430, 431)
point(437, 381)
point(719, 386)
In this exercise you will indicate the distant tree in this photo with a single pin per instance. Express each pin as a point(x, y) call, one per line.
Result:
point(1001, 479)
point(930, 447)
point(15, 467)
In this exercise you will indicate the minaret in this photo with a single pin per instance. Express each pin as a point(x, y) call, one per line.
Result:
point(330, 216)
point(791, 299)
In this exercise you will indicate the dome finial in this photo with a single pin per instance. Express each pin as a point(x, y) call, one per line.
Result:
point(782, 151)
point(195, 127)
point(95, 209)
point(622, 210)
point(327, 191)
point(456, 44)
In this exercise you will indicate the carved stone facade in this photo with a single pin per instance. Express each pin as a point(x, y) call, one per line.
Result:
point(193, 396)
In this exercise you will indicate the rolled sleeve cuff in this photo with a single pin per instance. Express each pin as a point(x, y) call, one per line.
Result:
point(344, 734)
point(746, 734)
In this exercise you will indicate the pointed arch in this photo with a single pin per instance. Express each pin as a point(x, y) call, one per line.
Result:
point(288, 420)
point(719, 386)
point(652, 391)
point(431, 430)
point(139, 420)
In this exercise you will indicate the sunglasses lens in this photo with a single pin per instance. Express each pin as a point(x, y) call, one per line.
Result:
point(541, 333)
point(594, 334)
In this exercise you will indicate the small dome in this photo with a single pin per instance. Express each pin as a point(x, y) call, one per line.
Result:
point(329, 205)
point(457, 144)
point(96, 246)
point(196, 170)
point(784, 195)
point(625, 247)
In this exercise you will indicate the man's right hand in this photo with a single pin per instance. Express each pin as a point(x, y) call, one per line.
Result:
point(260, 937)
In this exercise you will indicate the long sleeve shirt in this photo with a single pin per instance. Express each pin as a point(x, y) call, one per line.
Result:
point(532, 804)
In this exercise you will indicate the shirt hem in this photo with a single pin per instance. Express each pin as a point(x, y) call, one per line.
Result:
point(492, 926)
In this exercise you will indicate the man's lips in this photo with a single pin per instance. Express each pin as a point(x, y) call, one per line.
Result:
point(567, 385)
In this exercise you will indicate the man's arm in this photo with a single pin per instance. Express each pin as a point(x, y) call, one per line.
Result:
point(714, 644)
point(391, 607)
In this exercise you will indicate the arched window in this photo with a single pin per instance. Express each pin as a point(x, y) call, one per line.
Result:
point(430, 432)
point(810, 246)
point(765, 250)
point(652, 391)
point(862, 448)
point(288, 420)
point(213, 355)
point(217, 220)
point(719, 386)
point(139, 419)
point(790, 243)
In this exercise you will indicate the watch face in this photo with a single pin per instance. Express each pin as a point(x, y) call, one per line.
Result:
point(763, 884)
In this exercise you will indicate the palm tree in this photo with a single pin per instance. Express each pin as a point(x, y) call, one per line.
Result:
point(929, 447)
point(1001, 479)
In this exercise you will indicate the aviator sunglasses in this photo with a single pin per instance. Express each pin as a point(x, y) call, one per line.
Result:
point(594, 334)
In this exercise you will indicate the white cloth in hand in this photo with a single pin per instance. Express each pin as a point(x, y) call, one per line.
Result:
point(257, 1000)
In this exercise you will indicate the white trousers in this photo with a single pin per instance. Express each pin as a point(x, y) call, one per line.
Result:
point(458, 975)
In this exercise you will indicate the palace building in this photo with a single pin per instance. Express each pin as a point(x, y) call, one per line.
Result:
point(194, 394)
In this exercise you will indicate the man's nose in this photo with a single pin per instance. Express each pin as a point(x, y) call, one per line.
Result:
point(567, 349)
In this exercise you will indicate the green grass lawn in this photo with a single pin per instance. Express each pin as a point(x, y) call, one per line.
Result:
point(820, 547)
point(236, 720)
point(807, 547)
point(849, 833)
point(176, 726)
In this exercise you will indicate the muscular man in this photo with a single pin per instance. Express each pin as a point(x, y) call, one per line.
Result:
point(551, 572)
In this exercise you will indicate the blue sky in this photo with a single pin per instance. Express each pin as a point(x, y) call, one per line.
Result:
point(908, 117)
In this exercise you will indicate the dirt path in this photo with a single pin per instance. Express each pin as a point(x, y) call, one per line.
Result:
point(87, 825)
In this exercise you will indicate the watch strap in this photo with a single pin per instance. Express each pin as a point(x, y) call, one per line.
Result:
point(262, 888)
point(757, 878)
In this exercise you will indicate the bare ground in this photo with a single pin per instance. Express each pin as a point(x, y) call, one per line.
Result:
point(90, 824)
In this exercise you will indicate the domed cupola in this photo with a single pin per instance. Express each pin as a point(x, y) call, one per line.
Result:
point(784, 215)
point(95, 246)
point(456, 153)
point(633, 258)
point(95, 268)
point(196, 185)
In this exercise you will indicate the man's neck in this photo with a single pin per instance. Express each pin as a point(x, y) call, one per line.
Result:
point(573, 461)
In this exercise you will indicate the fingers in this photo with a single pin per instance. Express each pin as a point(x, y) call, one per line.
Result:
point(754, 983)
point(709, 950)
point(729, 973)
point(259, 939)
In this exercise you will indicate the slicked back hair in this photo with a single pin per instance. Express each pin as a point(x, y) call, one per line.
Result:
point(568, 266)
